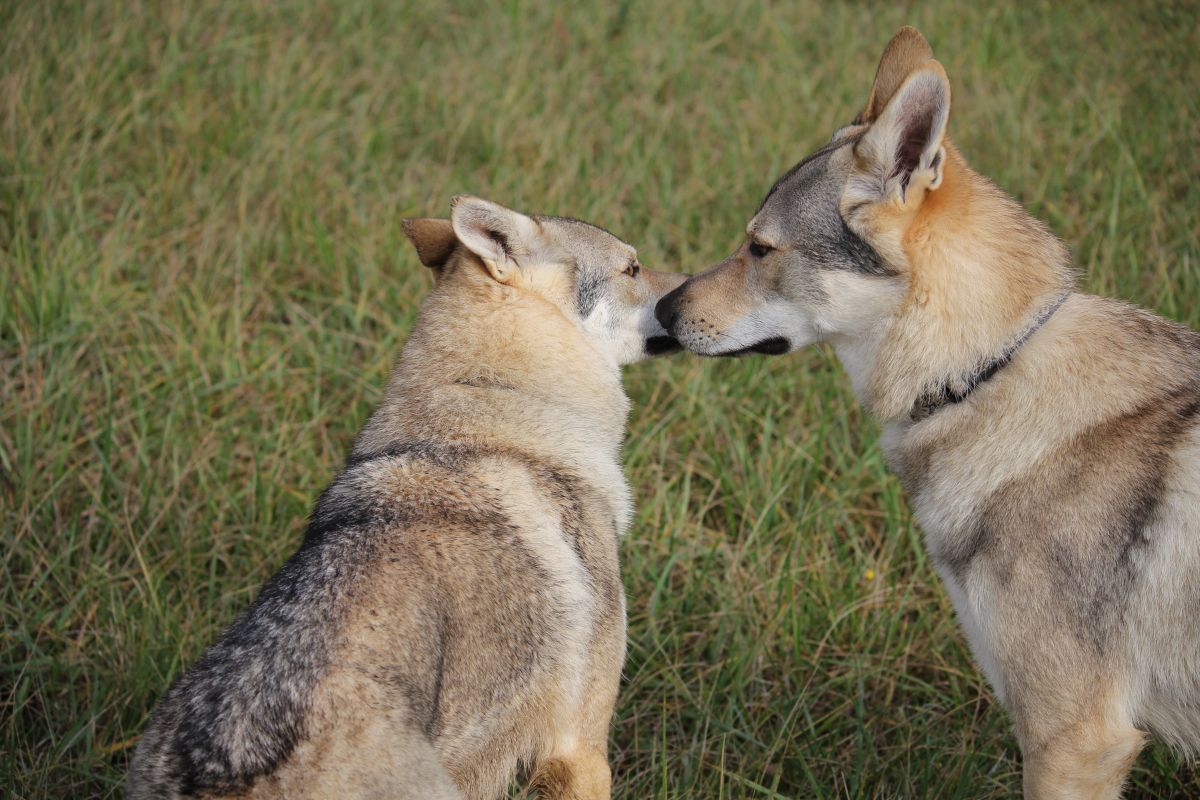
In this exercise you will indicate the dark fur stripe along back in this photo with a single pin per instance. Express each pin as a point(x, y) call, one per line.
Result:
point(217, 729)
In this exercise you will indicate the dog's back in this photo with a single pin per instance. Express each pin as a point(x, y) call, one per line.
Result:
point(455, 613)
point(386, 621)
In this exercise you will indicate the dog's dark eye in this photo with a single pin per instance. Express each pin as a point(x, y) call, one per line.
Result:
point(633, 269)
point(759, 250)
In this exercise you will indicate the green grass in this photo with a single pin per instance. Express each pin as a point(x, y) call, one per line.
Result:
point(204, 282)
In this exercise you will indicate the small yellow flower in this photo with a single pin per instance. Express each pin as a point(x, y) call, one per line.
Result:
point(869, 575)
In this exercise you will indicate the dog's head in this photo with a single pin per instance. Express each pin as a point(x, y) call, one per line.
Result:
point(824, 254)
point(587, 273)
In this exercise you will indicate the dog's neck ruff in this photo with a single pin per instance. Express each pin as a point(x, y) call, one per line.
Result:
point(936, 399)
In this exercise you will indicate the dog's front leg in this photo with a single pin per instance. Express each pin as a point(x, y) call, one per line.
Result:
point(1089, 761)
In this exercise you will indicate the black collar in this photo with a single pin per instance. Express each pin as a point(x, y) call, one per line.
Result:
point(937, 399)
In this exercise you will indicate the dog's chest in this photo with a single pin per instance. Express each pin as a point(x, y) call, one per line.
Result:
point(948, 488)
point(972, 592)
point(946, 483)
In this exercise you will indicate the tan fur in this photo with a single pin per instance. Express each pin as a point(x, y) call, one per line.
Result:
point(582, 774)
point(492, 381)
point(907, 51)
point(973, 255)
point(471, 610)
point(1089, 759)
point(977, 265)
point(1049, 440)
point(433, 239)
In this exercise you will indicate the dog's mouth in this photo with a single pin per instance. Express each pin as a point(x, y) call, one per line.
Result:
point(775, 346)
point(661, 345)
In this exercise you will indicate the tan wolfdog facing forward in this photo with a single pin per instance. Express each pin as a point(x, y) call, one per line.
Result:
point(455, 613)
point(1049, 440)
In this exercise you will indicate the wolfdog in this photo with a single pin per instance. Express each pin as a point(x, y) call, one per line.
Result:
point(455, 614)
point(1049, 440)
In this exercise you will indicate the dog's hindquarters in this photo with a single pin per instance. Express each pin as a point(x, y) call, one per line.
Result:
point(453, 615)
point(364, 745)
point(522, 615)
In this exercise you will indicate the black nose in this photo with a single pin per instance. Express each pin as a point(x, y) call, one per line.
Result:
point(667, 309)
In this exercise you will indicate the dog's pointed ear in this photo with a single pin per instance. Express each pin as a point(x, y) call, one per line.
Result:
point(498, 235)
point(433, 238)
point(905, 53)
point(906, 144)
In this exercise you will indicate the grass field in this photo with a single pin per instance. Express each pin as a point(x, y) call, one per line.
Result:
point(204, 282)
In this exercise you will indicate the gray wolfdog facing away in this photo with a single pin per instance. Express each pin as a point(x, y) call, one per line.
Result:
point(1049, 440)
point(455, 613)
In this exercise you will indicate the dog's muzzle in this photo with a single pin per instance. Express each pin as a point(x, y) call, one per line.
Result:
point(667, 313)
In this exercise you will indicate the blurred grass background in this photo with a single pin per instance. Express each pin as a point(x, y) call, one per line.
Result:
point(204, 282)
